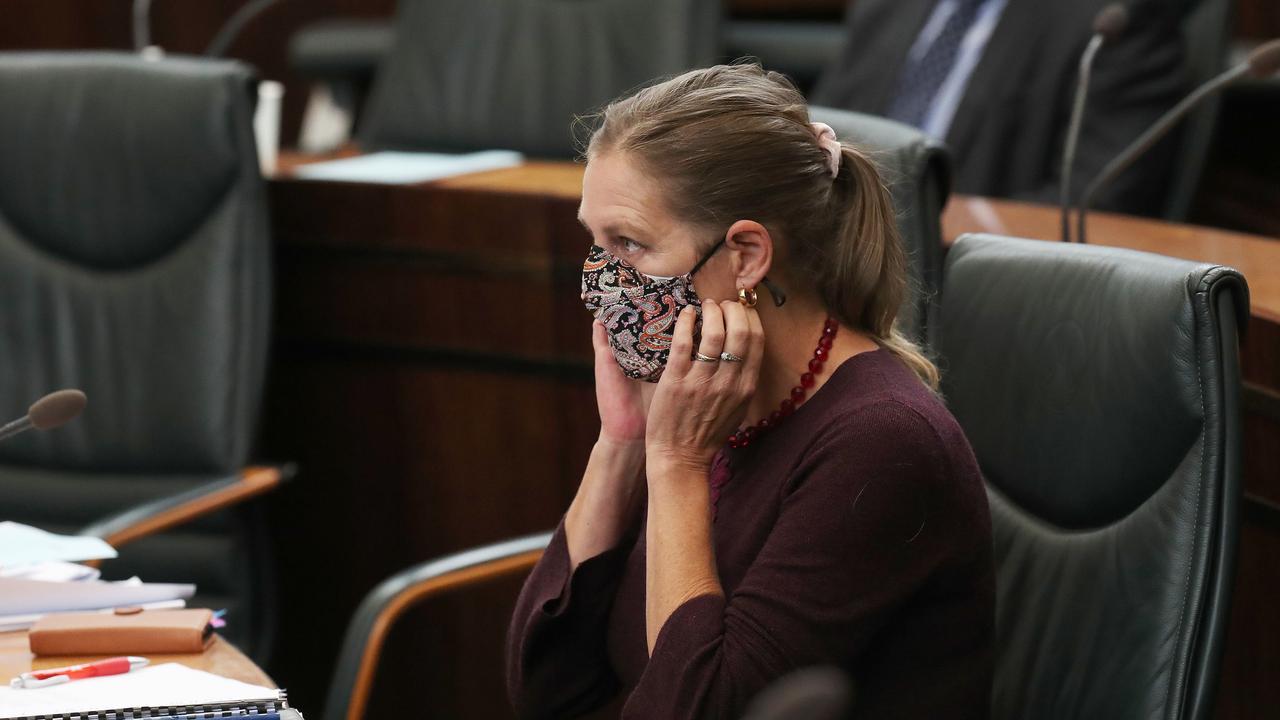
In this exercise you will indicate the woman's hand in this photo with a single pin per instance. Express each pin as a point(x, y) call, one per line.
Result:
point(698, 404)
point(607, 504)
point(621, 401)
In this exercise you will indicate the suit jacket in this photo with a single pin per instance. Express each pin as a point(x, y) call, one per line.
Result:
point(1009, 129)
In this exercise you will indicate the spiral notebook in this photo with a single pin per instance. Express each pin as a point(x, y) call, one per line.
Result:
point(161, 691)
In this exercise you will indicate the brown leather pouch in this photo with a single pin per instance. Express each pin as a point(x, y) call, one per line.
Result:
point(129, 631)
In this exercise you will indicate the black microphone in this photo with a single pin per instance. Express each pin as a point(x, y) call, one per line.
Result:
point(51, 411)
point(1263, 62)
point(1108, 25)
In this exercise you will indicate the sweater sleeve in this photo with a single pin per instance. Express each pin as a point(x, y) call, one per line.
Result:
point(557, 662)
point(853, 540)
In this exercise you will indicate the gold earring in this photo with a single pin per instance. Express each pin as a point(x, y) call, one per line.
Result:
point(747, 296)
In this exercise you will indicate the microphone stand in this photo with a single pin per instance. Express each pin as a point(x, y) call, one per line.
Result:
point(1149, 138)
point(1073, 131)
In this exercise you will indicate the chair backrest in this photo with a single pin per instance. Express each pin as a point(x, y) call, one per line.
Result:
point(475, 74)
point(134, 263)
point(1206, 32)
point(917, 170)
point(133, 259)
point(1099, 389)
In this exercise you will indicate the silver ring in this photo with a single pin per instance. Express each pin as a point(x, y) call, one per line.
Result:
point(730, 357)
point(705, 358)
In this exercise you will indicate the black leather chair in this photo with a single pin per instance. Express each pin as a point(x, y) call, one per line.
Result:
point(478, 74)
point(917, 170)
point(1099, 388)
point(134, 263)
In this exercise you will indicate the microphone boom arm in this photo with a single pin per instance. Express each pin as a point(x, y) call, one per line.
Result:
point(1073, 132)
point(1153, 135)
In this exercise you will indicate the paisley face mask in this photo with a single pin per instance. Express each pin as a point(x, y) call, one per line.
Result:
point(639, 311)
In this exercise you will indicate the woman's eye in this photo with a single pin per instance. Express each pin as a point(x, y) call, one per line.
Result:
point(630, 245)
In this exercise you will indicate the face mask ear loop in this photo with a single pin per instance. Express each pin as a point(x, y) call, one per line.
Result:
point(706, 257)
point(775, 292)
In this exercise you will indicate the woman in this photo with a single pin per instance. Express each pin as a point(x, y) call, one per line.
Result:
point(786, 489)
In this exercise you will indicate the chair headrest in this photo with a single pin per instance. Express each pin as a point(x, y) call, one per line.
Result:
point(1074, 369)
point(93, 142)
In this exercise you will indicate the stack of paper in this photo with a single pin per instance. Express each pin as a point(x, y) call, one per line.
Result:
point(18, 596)
point(37, 577)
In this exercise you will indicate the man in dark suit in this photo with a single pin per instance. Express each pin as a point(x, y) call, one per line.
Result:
point(995, 78)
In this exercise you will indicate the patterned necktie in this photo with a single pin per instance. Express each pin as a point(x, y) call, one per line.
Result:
point(921, 79)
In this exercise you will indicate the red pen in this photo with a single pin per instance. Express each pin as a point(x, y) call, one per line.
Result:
point(54, 676)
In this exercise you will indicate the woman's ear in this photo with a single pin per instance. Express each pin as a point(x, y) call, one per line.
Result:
point(751, 249)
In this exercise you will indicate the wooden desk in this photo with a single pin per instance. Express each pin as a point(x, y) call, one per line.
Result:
point(1257, 257)
point(432, 378)
point(221, 658)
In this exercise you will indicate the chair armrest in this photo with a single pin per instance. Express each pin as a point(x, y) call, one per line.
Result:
point(159, 515)
point(383, 606)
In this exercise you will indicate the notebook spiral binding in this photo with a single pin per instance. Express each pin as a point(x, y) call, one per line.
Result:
point(186, 712)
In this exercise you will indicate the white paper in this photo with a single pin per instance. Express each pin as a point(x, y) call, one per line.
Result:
point(9, 623)
point(406, 168)
point(53, 571)
point(24, 544)
point(167, 685)
point(21, 597)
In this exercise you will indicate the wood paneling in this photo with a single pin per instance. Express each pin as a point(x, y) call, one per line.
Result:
point(1257, 19)
point(1248, 689)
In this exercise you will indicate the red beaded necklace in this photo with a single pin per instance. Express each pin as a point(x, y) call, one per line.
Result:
point(750, 434)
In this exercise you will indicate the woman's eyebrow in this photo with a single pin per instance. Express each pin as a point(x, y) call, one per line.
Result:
point(616, 226)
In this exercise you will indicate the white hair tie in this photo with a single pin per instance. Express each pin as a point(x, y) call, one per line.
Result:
point(826, 138)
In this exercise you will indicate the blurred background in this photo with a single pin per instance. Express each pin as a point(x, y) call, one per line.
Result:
point(424, 357)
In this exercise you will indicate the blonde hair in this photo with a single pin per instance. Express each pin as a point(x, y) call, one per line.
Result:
point(733, 142)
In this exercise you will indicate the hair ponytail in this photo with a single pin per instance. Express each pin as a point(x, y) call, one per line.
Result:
point(867, 282)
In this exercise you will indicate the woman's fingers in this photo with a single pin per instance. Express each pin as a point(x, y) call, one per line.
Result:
point(682, 343)
point(599, 340)
point(713, 332)
point(604, 361)
point(754, 356)
point(738, 328)
point(735, 333)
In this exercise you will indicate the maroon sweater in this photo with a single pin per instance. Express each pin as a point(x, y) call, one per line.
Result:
point(855, 534)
